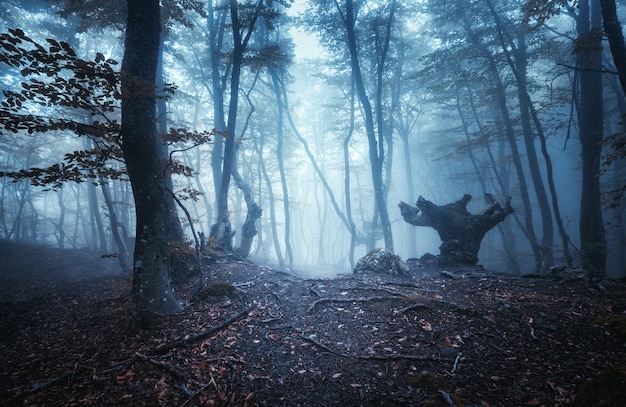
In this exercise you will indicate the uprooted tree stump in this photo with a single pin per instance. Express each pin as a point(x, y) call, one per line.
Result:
point(460, 231)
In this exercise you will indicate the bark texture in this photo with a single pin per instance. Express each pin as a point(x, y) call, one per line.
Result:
point(152, 291)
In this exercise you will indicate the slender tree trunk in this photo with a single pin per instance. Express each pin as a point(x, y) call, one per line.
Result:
point(500, 100)
point(347, 173)
point(501, 176)
point(253, 213)
point(410, 189)
point(281, 164)
point(60, 226)
point(3, 209)
point(270, 192)
point(222, 230)
point(216, 37)
point(513, 265)
point(547, 229)
point(98, 235)
point(384, 129)
point(529, 229)
point(174, 227)
point(79, 218)
point(518, 62)
point(345, 217)
point(550, 177)
point(375, 147)
point(120, 242)
point(592, 236)
point(16, 229)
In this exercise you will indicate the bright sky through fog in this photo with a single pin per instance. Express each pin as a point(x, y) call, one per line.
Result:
point(307, 45)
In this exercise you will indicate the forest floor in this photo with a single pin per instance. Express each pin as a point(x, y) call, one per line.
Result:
point(442, 337)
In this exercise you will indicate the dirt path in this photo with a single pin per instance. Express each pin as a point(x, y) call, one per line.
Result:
point(461, 338)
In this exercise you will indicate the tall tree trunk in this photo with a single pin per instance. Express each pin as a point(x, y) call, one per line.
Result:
point(501, 175)
point(174, 227)
point(613, 30)
point(507, 242)
point(547, 229)
point(500, 100)
point(222, 229)
point(281, 163)
point(253, 213)
point(375, 146)
point(528, 228)
point(518, 62)
point(592, 236)
point(152, 290)
point(346, 182)
point(346, 218)
point(216, 37)
point(120, 242)
point(270, 192)
point(98, 237)
point(60, 226)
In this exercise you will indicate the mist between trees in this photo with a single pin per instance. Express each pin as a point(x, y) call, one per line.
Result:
point(295, 149)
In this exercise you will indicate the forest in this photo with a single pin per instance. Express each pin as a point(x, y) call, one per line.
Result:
point(312, 202)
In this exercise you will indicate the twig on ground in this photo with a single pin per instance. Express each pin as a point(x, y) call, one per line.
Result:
point(410, 308)
point(397, 356)
point(456, 362)
point(327, 299)
point(320, 345)
point(314, 291)
point(369, 357)
point(532, 330)
point(230, 394)
point(171, 369)
point(203, 388)
point(36, 387)
point(402, 284)
point(268, 320)
point(206, 333)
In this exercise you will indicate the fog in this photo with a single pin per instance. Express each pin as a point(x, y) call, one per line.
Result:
point(446, 83)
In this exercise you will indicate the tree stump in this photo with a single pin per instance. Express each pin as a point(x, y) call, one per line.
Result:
point(381, 261)
point(460, 231)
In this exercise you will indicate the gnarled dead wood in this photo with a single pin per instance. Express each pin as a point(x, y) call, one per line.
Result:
point(460, 231)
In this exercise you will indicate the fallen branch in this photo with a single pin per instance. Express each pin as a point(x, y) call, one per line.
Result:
point(321, 345)
point(326, 299)
point(410, 308)
point(206, 333)
point(36, 387)
point(203, 388)
point(402, 284)
point(171, 369)
point(230, 393)
point(456, 363)
point(395, 356)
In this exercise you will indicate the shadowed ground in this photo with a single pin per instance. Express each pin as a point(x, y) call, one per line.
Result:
point(460, 336)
